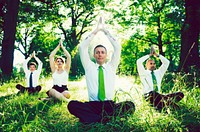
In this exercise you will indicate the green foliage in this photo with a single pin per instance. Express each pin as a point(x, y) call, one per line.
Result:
point(131, 51)
point(150, 22)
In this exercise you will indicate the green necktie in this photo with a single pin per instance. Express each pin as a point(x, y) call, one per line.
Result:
point(154, 81)
point(101, 92)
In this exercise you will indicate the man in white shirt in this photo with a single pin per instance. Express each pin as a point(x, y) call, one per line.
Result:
point(100, 105)
point(151, 80)
point(32, 75)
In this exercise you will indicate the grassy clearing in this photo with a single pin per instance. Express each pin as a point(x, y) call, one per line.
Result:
point(23, 112)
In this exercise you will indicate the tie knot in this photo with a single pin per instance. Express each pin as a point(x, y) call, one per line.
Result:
point(152, 72)
point(100, 67)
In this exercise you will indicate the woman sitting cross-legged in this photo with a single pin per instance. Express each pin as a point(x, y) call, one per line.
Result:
point(60, 72)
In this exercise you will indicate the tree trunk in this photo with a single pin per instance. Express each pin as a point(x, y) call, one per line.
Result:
point(190, 37)
point(160, 43)
point(10, 22)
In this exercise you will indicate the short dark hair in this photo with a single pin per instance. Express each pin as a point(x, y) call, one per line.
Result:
point(33, 63)
point(99, 46)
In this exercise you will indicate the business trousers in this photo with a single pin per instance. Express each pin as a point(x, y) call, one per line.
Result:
point(160, 101)
point(28, 89)
point(99, 111)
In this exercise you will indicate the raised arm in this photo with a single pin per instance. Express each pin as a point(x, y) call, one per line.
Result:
point(140, 66)
point(83, 49)
point(39, 69)
point(115, 59)
point(68, 61)
point(165, 64)
point(25, 67)
point(51, 58)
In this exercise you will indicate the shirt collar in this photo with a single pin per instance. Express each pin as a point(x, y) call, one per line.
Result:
point(103, 66)
point(149, 71)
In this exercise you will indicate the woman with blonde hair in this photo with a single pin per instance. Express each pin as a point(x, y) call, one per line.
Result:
point(60, 73)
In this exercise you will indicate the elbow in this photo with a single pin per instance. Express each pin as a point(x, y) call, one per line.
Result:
point(138, 62)
point(80, 47)
point(69, 57)
point(168, 62)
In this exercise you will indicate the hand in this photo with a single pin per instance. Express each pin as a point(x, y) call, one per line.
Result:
point(100, 24)
point(33, 55)
point(153, 52)
point(61, 43)
point(99, 27)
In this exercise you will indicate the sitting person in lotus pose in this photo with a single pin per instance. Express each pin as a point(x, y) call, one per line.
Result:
point(151, 80)
point(100, 78)
point(32, 75)
point(60, 73)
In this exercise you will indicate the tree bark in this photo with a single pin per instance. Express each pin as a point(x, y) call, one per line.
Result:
point(190, 37)
point(159, 38)
point(10, 22)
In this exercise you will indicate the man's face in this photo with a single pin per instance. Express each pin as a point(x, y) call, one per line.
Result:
point(32, 68)
point(151, 65)
point(100, 55)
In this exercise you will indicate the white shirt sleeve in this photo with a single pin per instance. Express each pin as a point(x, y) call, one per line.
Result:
point(140, 67)
point(25, 67)
point(39, 69)
point(165, 64)
point(83, 49)
point(115, 59)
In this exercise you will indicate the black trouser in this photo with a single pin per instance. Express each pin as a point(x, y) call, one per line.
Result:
point(97, 111)
point(159, 100)
point(28, 89)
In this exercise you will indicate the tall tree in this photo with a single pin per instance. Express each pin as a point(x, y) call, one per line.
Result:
point(190, 37)
point(9, 28)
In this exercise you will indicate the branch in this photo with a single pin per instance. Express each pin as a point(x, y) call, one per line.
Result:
point(162, 6)
point(146, 40)
point(83, 25)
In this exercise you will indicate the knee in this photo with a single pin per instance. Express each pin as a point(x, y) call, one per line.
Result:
point(51, 92)
point(181, 94)
point(66, 94)
point(130, 106)
point(72, 105)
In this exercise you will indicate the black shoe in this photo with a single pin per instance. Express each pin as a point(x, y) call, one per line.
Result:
point(38, 88)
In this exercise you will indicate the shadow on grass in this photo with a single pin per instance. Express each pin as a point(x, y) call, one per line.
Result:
point(190, 118)
point(120, 124)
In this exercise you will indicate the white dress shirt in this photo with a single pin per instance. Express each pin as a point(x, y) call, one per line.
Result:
point(145, 75)
point(36, 73)
point(91, 69)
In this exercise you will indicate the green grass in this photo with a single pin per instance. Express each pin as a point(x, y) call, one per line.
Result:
point(23, 112)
